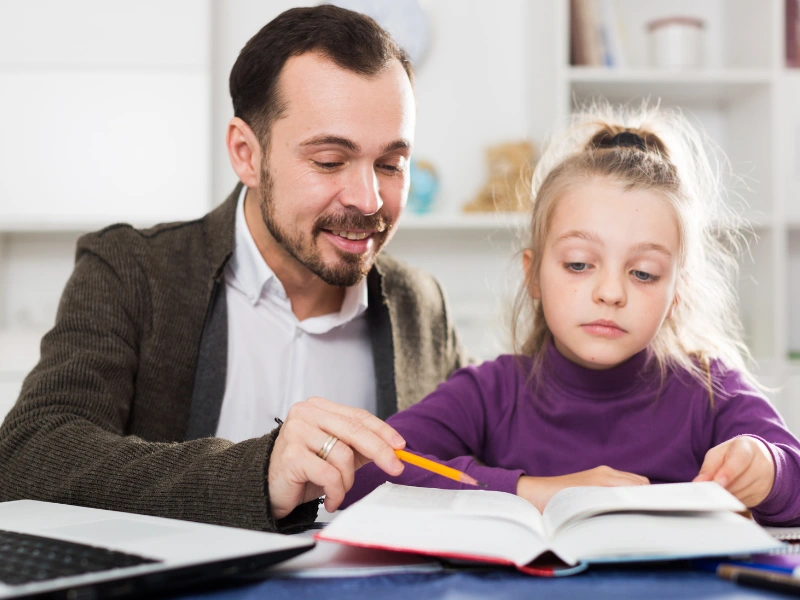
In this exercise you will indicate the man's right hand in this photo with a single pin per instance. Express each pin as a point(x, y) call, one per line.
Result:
point(539, 490)
point(297, 474)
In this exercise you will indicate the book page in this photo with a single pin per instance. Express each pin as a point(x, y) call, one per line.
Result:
point(466, 524)
point(497, 505)
point(620, 537)
point(583, 502)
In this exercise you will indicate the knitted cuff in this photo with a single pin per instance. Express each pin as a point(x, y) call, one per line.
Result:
point(302, 516)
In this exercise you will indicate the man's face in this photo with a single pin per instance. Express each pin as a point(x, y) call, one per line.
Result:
point(334, 179)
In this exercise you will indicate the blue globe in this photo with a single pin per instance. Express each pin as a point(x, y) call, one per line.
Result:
point(423, 188)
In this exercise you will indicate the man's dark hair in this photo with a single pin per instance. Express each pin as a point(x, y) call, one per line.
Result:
point(351, 40)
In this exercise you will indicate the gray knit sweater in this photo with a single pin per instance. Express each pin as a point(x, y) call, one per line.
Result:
point(121, 409)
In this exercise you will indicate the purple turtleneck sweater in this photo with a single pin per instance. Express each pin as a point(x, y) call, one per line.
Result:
point(490, 422)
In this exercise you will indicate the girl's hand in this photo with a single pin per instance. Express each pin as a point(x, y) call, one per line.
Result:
point(743, 466)
point(539, 490)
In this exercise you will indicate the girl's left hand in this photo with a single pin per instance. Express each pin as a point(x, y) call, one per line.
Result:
point(743, 466)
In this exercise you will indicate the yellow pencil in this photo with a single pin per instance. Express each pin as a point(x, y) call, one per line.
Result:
point(435, 467)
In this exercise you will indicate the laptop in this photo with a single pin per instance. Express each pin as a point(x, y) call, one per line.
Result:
point(59, 551)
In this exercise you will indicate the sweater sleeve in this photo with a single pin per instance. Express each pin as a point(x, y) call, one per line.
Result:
point(744, 411)
point(455, 352)
point(64, 440)
point(448, 426)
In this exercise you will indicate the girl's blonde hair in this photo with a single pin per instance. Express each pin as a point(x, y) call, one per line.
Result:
point(669, 158)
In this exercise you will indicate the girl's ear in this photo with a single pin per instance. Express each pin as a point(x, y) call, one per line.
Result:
point(527, 267)
point(673, 306)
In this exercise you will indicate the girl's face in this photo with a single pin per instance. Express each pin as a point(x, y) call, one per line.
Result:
point(608, 272)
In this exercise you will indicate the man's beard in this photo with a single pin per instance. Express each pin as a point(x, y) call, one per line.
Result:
point(350, 268)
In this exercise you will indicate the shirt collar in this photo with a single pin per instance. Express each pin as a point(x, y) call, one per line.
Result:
point(253, 275)
point(248, 267)
point(620, 380)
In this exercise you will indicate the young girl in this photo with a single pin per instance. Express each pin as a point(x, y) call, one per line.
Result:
point(633, 369)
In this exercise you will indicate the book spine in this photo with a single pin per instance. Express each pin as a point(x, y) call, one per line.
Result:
point(594, 34)
point(793, 33)
point(586, 45)
point(577, 50)
point(610, 28)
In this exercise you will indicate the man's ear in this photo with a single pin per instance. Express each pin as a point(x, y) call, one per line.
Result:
point(244, 150)
point(530, 283)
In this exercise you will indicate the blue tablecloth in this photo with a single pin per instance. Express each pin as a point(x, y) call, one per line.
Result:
point(640, 582)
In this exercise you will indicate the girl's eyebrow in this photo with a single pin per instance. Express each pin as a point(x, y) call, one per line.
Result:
point(589, 236)
point(592, 237)
point(651, 247)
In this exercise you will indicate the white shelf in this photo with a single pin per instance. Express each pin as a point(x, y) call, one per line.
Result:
point(11, 225)
point(675, 87)
point(512, 221)
point(464, 222)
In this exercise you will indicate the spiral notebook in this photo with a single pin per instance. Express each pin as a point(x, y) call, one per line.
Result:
point(786, 534)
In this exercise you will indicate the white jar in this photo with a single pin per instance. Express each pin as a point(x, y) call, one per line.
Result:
point(676, 42)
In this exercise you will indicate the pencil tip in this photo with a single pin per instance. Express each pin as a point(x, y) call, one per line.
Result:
point(471, 481)
point(475, 482)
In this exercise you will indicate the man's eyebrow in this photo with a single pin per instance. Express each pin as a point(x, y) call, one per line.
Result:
point(332, 140)
point(397, 145)
point(335, 140)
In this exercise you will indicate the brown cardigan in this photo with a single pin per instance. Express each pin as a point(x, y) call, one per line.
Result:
point(120, 410)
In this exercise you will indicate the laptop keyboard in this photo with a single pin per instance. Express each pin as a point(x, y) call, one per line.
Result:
point(26, 558)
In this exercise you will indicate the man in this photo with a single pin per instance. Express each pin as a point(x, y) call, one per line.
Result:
point(175, 348)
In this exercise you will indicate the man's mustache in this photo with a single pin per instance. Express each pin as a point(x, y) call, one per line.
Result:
point(351, 219)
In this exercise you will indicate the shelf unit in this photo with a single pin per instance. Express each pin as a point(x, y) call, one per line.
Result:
point(705, 87)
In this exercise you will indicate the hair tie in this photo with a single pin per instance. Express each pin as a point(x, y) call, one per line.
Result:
point(624, 139)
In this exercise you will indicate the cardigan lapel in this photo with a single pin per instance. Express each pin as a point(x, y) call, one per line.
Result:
point(382, 341)
point(211, 373)
point(219, 229)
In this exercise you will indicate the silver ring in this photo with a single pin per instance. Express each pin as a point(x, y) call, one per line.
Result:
point(327, 447)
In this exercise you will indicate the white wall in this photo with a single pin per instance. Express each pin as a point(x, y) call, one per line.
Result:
point(104, 116)
point(105, 111)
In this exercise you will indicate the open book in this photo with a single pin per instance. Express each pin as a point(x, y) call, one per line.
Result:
point(580, 525)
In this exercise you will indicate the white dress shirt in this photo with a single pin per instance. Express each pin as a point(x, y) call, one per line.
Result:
point(274, 360)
